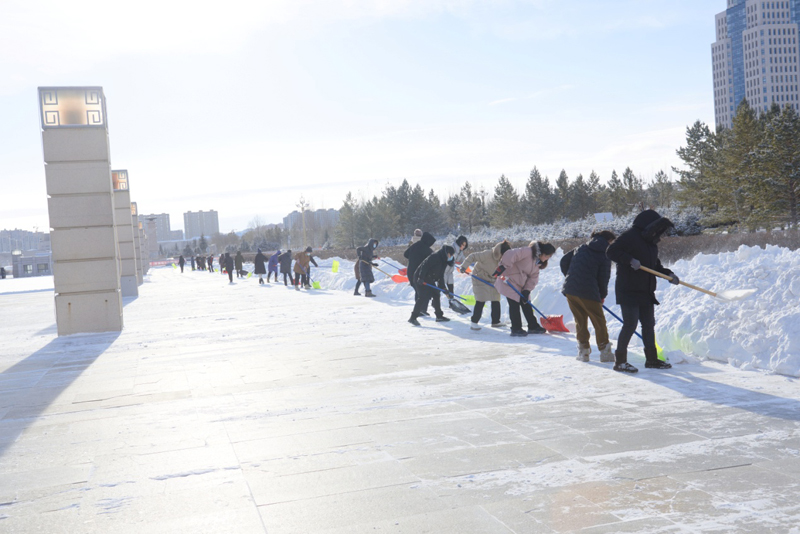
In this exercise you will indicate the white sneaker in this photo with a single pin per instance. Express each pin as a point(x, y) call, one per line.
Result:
point(606, 356)
point(583, 354)
point(475, 327)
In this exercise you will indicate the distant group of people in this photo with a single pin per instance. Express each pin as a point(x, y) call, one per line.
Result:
point(513, 273)
point(300, 276)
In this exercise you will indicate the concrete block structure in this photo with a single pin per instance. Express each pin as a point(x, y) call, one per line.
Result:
point(81, 208)
point(137, 240)
point(123, 219)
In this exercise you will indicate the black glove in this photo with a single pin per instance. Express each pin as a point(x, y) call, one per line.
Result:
point(675, 280)
point(374, 264)
point(500, 270)
point(526, 294)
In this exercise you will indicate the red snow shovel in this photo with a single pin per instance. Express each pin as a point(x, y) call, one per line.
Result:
point(727, 296)
point(551, 323)
point(396, 278)
point(402, 271)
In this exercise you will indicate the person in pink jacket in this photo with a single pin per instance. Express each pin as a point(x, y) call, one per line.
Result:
point(520, 267)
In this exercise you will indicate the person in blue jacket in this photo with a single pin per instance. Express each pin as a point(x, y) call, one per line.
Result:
point(273, 266)
point(586, 288)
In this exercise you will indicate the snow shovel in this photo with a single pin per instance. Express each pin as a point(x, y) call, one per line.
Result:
point(551, 323)
point(402, 271)
point(396, 278)
point(454, 304)
point(727, 296)
point(335, 266)
point(658, 347)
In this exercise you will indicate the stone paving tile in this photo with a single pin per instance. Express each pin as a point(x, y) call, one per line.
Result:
point(464, 520)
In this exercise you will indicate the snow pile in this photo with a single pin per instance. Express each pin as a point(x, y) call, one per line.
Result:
point(762, 332)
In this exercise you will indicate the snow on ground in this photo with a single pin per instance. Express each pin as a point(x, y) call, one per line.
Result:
point(761, 332)
point(246, 408)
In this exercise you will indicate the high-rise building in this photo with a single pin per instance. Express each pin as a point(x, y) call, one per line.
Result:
point(200, 223)
point(163, 227)
point(755, 57)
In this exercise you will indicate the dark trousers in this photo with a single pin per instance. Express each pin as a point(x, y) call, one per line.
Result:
point(286, 276)
point(477, 313)
point(301, 278)
point(632, 315)
point(418, 295)
point(424, 295)
point(230, 276)
point(181, 268)
point(211, 267)
point(585, 310)
point(270, 273)
point(358, 285)
point(516, 317)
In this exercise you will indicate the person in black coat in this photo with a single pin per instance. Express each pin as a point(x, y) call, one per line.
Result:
point(181, 262)
point(285, 261)
point(431, 273)
point(228, 265)
point(260, 266)
point(415, 254)
point(210, 263)
point(586, 287)
point(365, 264)
point(636, 289)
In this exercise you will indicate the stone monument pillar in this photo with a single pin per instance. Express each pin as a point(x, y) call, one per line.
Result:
point(137, 243)
point(81, 207)
point(127, 246)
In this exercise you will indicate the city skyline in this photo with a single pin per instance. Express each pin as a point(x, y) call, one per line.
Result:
point(250, 107)
point(755, 57)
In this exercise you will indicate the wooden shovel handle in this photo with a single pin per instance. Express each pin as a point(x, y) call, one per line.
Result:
point(681, 282)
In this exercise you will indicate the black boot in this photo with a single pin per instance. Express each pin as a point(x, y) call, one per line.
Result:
point(413, 320)
point(651, 360)
point(622, 364)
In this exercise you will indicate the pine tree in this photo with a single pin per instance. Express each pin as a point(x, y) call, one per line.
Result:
point(701, 158)
point(345, 233)
point(471, 207)
point(538, 200)
point(203, 244)
point(778, 160)
point(616, 199)
point(633, 190)
point(662, 191)
point(561, 195)
point(504, 208)
point(580, 200)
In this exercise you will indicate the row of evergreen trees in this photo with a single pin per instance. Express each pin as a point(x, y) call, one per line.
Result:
point(400, 210)
point(748, 175)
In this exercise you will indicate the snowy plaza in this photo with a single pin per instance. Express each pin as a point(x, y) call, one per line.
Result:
point(246, 408)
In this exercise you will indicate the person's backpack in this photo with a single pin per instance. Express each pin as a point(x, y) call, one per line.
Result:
point(566, 260)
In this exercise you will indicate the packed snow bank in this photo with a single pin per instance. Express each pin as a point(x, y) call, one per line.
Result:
point(762, 332)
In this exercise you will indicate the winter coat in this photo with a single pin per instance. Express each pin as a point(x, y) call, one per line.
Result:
point(366, 254)
point(417, 252)
point(457, 258)
point(486, 263)
point(431, 270)
point(259, 263)
point(210, 262)
point(239, 261)
point(638, 287)
point(273, 262)
point(302, 262)
point(229, 263)
point(285, 260)
point(589, 271)
point(522, 270)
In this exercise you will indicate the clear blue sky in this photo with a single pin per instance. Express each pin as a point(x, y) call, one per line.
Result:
point(243, 107)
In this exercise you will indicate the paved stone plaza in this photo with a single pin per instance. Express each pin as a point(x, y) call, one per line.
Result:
point(239, 408)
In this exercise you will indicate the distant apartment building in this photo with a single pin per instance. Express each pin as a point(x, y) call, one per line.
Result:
point(200, 223)
point(23, 240)
point(755, 57)
point(162, 225)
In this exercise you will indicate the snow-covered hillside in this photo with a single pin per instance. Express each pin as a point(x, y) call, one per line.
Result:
point(762, 332)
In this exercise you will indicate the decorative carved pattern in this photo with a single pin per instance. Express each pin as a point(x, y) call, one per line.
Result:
point(72, 107)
